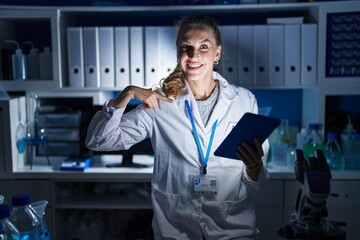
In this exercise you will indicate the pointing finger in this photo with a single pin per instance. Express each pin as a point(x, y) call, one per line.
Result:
point(163, 98)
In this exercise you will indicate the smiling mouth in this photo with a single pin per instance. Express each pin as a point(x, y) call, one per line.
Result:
point(194, 66)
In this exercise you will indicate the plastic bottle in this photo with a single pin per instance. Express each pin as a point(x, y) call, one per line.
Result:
point(7, 230)
point(333, 152)
point(33, 62)
point(19, 63)
point(279, 149)
point(40, 207)
point(313, 141)
point(24, 217)
point(348, 143)
point(46, 67)
point(301, 138)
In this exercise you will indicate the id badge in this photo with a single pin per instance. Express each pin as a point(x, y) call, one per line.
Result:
point(206, 185)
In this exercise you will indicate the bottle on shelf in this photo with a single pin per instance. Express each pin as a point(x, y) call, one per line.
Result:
point(333, 152)
point(19, 62)
point(301, 138)
point(46, 66)
point(350, 146)
point(24, 217)
point(7, 230)
point(33, 62)
point(40, 207)
point(313, 141)
point(279, 149)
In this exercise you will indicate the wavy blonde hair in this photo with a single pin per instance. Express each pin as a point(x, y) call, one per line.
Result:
point(175, 82)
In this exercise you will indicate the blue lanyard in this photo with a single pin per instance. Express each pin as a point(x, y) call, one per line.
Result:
point(197, 140)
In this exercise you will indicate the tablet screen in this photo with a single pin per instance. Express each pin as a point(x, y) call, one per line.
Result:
point(250, 125)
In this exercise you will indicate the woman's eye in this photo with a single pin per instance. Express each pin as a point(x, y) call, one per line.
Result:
point(184, 48)
point(203, 47)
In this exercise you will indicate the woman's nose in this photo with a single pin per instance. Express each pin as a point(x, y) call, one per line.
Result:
point(192, 52)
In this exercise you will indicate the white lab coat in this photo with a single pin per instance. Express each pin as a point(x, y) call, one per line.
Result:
point(178, 213)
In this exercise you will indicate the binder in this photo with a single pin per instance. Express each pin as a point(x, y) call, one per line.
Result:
point(292, 55)
point(137, 56)
point(75, 56)
point(276, 55)
point(107, 62)
point(308, 54)
point(261, 55)
point(230, 69)
point(168, 54)
point(246, 55)
point(122, 57)
point(152, 56)
point(91, 56)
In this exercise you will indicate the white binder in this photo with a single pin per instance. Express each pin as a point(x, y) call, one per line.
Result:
point(91, 56)
point(308, 54)
point(75, 56)
point(292, 55)
point(246, 55)
point(107, 62)
point(276, 55)
point(137, 56)
point(261, 55)
point(122, 57)
point(152, 56)
point(168, 54)
point(230, 69)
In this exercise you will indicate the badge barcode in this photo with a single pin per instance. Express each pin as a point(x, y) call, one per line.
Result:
point(213, 183)
point(205, 192)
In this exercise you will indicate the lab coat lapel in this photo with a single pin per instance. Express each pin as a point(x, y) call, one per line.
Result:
point(187, 95)
point(196, 114)
point(226, 94)
point(219, 112)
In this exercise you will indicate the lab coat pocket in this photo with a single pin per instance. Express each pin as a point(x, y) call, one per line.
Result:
point(238, 214)
point(166, 208)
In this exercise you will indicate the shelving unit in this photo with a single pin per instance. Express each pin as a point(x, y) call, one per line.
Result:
point(47, 26)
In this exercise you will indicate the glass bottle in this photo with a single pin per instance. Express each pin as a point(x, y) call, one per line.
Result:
point(313, 141)
point(333, 152)
point(24, 218)
point(279, 149)
point(7, 230)
point(39, 207)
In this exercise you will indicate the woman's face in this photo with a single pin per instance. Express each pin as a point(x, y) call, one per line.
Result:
point(197, 52)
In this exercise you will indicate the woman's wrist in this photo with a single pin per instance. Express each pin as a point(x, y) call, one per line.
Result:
point(122, 100)
point(254, 171)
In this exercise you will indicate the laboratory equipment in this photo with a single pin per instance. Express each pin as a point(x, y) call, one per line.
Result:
point(19, 62)
point(24, 217)
point(333, 152)
point(46, 67)
point(36, 134)
point(33, 62)
point(309, 220)
point(279, 149)
point(39, 207)
point(313, 140)
point(7, 230)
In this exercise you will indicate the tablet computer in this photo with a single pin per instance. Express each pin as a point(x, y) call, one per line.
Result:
point(250, 125)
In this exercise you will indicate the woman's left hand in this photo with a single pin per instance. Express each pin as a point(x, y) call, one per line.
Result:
point(251, 157)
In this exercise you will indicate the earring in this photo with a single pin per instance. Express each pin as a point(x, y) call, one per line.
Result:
point(216, 62)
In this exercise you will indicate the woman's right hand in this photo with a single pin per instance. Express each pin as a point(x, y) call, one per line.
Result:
point(147, 96)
